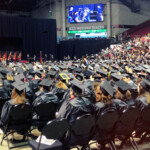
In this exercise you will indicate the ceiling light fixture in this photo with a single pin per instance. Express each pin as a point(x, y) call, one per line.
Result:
point(50, 7)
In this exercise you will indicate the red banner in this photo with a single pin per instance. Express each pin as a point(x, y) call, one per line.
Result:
point(5, 56)
point(10, 55)
point(15, 56)
point(19, 57)
point(41, 56)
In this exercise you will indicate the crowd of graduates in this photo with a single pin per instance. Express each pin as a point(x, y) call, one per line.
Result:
point(118, 78)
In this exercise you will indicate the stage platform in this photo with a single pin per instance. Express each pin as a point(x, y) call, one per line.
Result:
point(81, 47)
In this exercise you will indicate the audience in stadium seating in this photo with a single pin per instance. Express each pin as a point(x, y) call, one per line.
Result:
point(118, 77)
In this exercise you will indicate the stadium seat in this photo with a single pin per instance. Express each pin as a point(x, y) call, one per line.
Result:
point(143, 123)
point(105, 125)
point(81, 132)
point(126, 125)
point(56, 130)
point(19, 121)
point(43, 112)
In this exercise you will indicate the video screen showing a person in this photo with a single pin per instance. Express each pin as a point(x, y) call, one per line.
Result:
point(85, 13)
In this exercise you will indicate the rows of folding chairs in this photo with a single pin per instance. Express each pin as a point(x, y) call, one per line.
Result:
point(24, 118)
point(104, 129)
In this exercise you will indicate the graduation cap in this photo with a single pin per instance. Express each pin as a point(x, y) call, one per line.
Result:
point(133, 87)
point(148, 71)
point(71, 76)
point(97, 78)
point(78, 70)
point(107, 88)
point(102, 72)
point(137, 69)
point(115, 66)
point(79, 76)
point(71, 68)
point(116, 77)
point(146, 81)
point(19, 77)
point(105, 66)
point(4, 71)
point(19, 70)
point(52, 73)
point(64, 76)
point(123, 86)
point(77, 86)
point(87, 73)
point(46, 83)
point(38, 73)
point(63, 67)
point(146, 66)
point(114, 71)
point(121, 70)
point(125, 75)
point(19, 85)
point(140, 75)
point(145, 84)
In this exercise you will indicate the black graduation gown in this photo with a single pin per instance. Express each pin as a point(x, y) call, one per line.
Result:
point(4, 96)
point(141, 103)
point(131, 103)
point(45, 97)
point(73, 108)
point(35, 84)
point(93, 97)
point(65, 96)
point(58, 92)
point(120, 105)
point(29, 93)
point(37, 94)
point(8, 86)
point(6, 112)
point(104, 109)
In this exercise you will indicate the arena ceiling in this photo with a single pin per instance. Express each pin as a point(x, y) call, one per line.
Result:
point(23, 5)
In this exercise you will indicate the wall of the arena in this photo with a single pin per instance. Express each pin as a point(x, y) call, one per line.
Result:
point(44, 12)
point(120, 14)
point(127, 17)
point(14, 13)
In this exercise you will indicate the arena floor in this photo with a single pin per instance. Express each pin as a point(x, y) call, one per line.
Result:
point(144, 146)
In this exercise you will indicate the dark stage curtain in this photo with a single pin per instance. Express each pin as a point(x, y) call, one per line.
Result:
point(35, 34)
point(82, 47)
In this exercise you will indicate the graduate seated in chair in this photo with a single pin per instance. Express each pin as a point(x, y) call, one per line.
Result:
point(77, 104)
point(44, 94)
point(61, 86)
point(18, 97)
